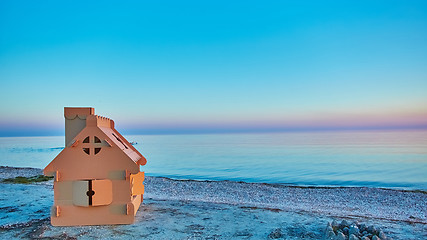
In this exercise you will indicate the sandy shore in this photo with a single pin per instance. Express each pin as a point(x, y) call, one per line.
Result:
point(177, 209)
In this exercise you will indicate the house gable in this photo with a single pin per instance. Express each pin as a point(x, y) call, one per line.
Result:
point(93, 154)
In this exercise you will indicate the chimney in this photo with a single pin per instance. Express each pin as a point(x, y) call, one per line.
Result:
point(75, 121)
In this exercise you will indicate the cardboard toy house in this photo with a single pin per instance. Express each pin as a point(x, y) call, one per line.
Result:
point(96, 176)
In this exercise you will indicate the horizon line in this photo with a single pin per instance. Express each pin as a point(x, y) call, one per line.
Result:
point(197, 131)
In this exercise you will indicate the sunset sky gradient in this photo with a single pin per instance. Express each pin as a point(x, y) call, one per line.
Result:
point(218, 66)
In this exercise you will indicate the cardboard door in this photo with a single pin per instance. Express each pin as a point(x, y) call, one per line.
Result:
point(103, 192)
point(80, 190)
point(92, 192)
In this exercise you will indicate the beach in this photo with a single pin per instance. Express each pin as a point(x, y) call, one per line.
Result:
point(189, 209)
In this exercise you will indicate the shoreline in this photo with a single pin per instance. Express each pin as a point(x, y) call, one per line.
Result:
point(27, 170)
point(293, 185)
point(401, 213)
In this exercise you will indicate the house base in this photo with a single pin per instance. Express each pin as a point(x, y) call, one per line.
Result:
point(70, 215)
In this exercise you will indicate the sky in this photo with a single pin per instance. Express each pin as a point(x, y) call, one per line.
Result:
point(158, 67)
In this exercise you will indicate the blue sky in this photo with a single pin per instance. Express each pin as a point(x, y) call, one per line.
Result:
point(197, 66)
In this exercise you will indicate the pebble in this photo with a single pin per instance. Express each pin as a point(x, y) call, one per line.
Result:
point(330, 235)
point(345, 230)
point(353, 237)
point(334, 223)
point(354, 230)
point(382, 235)
point(340, 236)
point(275, 234)
point(372, 229)
point(329, 232)
point(344, 224)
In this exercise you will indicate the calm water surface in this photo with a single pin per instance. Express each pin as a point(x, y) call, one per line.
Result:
point(392, 159)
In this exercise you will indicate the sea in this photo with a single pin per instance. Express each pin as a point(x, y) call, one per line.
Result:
point(381, 159)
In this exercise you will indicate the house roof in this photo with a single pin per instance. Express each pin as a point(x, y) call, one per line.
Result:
point(106, 125)
point(81, 123)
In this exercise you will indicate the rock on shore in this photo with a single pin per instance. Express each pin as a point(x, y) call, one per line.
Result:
point(353, 231)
